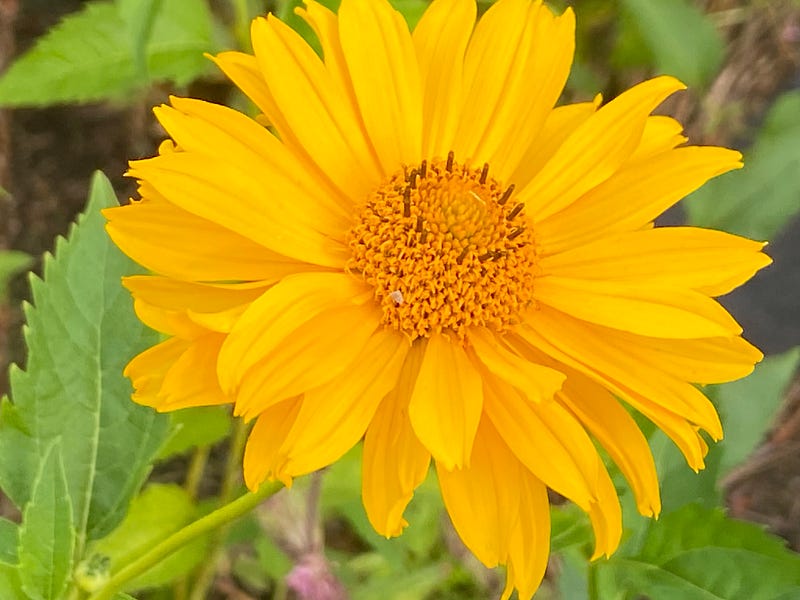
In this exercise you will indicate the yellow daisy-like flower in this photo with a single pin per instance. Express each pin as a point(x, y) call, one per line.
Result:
point(426, 254)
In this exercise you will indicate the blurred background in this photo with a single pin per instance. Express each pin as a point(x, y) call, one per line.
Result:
point(59, 122)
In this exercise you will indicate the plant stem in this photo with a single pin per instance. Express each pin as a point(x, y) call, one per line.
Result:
point(195, 472)
point(241, 25)
point(230, 482)
point(222, 516)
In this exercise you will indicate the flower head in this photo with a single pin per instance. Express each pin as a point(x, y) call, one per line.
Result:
point(423, 252)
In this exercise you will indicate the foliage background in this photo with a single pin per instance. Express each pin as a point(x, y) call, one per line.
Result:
point(74, 452)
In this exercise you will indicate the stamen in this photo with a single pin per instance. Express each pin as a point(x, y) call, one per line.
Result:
point(515, 211)
point(515, 233)
point(427, 251)
point(506, 195)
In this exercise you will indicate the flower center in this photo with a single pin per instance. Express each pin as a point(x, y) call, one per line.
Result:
point(446, 248)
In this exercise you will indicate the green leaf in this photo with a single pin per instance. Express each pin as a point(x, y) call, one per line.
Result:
point(85, 58)
point(569, 527)
point(159, 511)
point(193, 427)
point(684, 42)
point(698, 553)
point(9, 539)
point(80, 333)
point(341, 494)
point(750, 405)
point(11, 263)
point(10, 585)
point(46, 536)
point(182, 33)
point(758, 200)
point(412, 10)
point(139, 16)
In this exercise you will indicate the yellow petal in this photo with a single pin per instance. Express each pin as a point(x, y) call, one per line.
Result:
point(653, 310)
point(483, 499)
point(261, 457)
point(440, 39)
point(334, 416)
point(325, 24)
point(324, 126)
point(257, 207)
point(617, 432)
point(547, 440)
point(529, 547)
point(380, 57)
point(242, 69)
point(681, 431)
point(705, 360)
point(173, 294)
point(228, 135)
point(171, 322)
point(596, 149)
point(515, 68)
point(394, 460)
point(280, 311)
point(212, 306)
point(534, 381)
point(177, 374)
point(634, 196)
point(148, 369)
point(584, 348)
point(660, 134)
point(560, 124)
point(446, 403)
point(605, 515)
point(316, 352)
point(173, 242)
point(192, 380)
point(711, 262)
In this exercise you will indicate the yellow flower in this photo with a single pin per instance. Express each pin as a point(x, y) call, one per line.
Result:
point(423, 252)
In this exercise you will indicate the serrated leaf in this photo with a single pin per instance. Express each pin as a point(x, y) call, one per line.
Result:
point(46, 536)
point(698, 553)
point(9, 539)
point(749, 405)
point(759, 199)
point(684, 42)
point(86, 57)
point(192, 427)
point(159, 511)
point(182, 33)
point(80, 332)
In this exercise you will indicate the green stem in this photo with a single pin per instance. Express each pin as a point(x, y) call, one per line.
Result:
point(241, 25)
point(205, 578)
point(226, 514)
point(195, 472)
